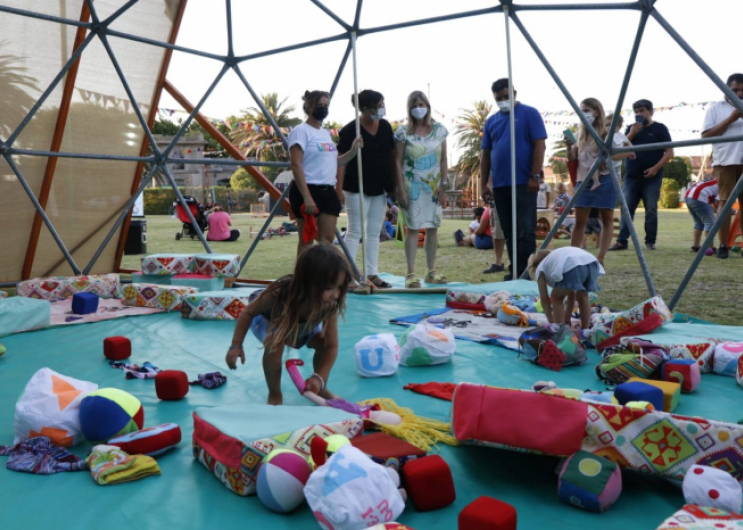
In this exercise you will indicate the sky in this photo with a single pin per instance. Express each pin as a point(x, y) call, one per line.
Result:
point(455, 62)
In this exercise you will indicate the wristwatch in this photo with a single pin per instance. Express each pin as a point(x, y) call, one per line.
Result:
point(537, 177)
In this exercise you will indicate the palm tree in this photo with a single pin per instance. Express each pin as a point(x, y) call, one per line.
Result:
point(558, 160)
point(16, 88)
point(255, 134)
point(469, 126)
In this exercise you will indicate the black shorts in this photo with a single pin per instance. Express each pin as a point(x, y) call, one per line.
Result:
point(325, 197)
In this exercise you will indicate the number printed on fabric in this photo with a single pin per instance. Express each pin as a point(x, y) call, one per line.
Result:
point(382, 512)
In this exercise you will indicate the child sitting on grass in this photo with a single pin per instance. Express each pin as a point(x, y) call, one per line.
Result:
point(572, 273)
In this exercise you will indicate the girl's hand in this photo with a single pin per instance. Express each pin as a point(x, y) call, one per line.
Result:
point(232, 355)
point(568, 142)
point(357, 143)
point(403, 196)
point(313, 385)
point(310, 208)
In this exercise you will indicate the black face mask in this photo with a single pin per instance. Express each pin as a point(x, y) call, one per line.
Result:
point(320, 113)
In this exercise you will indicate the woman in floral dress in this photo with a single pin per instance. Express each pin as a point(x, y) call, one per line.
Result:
point(420, 153)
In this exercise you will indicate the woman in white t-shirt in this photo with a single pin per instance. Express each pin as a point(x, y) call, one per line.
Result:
point(572, 273)
point(314, 162)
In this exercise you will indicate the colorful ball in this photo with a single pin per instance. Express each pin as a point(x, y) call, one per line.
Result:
point(735, 248)
point(708, 252)
point(109, 412)
point(281, 480)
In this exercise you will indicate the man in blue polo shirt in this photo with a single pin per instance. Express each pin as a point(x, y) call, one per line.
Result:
point(495, 161)
point(643, 175)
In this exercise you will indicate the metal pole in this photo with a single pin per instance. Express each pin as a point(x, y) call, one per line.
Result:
point(122, 217)
point(42, 213)
point(331, 14)
point(722, 217)
point(512, 123)
point(631, 225)
point(259, 235)
point(557, 224)
point(179, 195)
point(340, 69)
point(358, 159)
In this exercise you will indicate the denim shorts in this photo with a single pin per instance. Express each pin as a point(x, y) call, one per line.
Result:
point(702, 212)
point(580, 278)
point(260, 324)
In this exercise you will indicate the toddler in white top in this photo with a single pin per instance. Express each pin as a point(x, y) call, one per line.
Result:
point(572, 273)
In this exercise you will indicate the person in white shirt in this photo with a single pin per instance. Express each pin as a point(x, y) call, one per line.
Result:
point(722, 119)
point(314, 162)
point(572, 273)
point(698, 201)
point(543, 195)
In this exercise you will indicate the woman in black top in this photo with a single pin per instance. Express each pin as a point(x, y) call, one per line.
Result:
point(377, 158)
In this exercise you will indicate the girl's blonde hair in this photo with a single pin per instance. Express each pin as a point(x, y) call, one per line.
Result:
point(534, 261)
point(561, 187)
point(610, 116)
point(317, 268)
point(413, 98)
point(598, 122)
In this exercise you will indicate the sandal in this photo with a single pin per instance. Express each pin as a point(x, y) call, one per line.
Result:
point(411, 282)
point(435, 277)
point(378, 282)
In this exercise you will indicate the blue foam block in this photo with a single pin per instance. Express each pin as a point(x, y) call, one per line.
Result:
point(637, 391)
point(84, 303)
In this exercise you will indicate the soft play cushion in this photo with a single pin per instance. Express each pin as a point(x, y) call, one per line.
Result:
point(168, 264)
point(671, 392)
point(117, 348)
point(693, 517)
point(84, 303)
point(429, 483)
point(377, 355)
point(725, 358)
point(684, 372)
point(351, 492)
point(634, 390)
point(605, 326)
point(61, 287)
point(739, 373)
point(219, 265)
point(387, 450)
point(701, 352)
point(589, 482)
point(171, 385)
point(487, 513)
point(50, 406)
point(712, 487)
point(201, 282)
point(109, 412)
point(23, 314)
point(166, 297)
point(425, 345)
point(651, 442)
point(231, 441)
point(152, 441)
point(215, 305)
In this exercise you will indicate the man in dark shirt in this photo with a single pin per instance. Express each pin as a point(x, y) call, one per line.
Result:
point(643, 175)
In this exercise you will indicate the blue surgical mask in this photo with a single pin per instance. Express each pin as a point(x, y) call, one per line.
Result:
point(379, 115)
point(589, 117)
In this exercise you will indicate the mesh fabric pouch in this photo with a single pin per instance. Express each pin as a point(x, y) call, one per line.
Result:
point(631, 359)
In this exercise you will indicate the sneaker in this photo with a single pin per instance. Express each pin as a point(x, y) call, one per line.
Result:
point(494, 268)
point(722, 252)
point(458, 237)
point(695, 249)
point(618, 246)
point(649, 246)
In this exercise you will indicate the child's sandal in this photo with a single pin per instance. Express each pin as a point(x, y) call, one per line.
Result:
point(411, 282)
point(435, 277)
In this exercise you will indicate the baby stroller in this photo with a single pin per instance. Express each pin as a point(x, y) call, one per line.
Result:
point(198, 213)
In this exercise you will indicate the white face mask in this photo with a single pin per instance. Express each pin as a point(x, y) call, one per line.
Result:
point(379, 115)
point(589, 117)
point(504, 106)
point(419, 112)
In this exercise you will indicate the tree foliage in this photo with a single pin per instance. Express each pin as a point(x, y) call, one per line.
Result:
point(678, 169)
point(469, 127)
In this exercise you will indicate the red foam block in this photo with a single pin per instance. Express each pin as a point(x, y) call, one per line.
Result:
point(117, 348)
point(171, 385)
point(429, 483)
point(486, 513)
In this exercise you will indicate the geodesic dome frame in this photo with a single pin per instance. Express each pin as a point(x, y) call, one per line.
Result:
point(44, 158)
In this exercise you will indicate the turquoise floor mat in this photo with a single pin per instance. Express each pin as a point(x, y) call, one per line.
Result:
point(186, 495)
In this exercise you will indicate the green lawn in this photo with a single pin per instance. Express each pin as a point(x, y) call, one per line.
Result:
point(713, 293)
